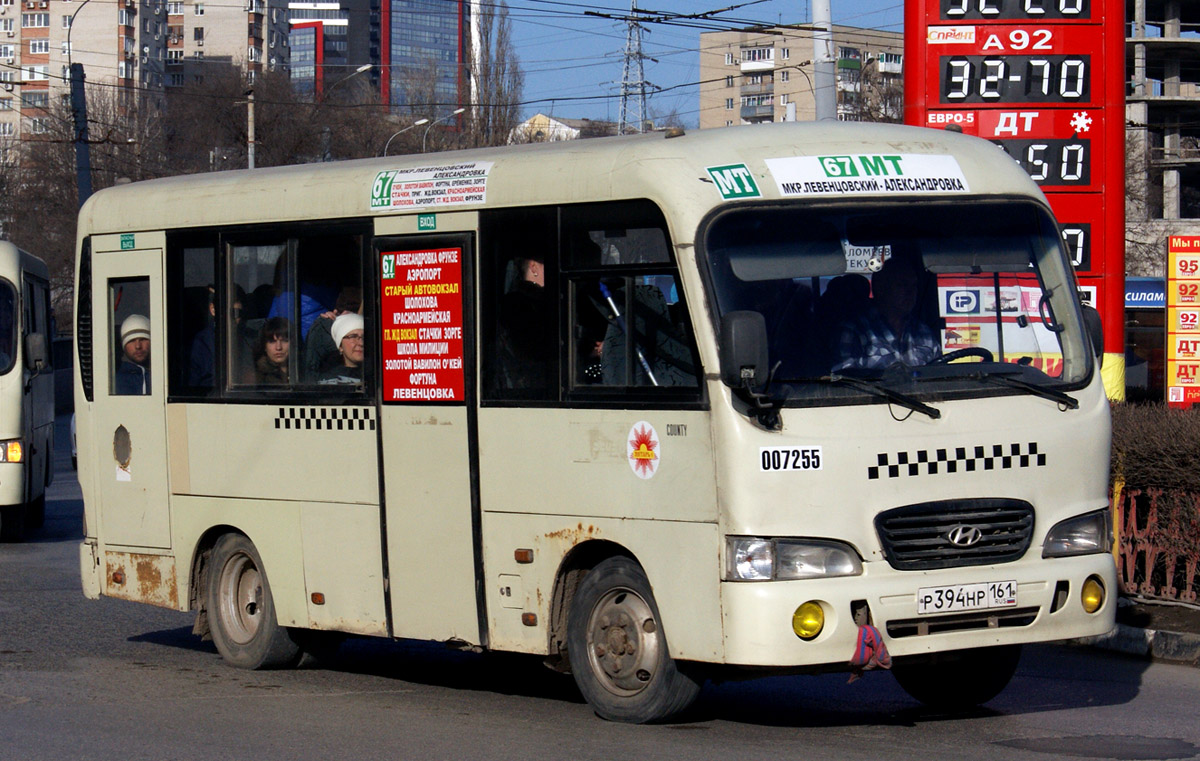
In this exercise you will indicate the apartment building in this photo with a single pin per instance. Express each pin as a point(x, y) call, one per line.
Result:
point(120, 44)
point(765, 75)
point(250, 34)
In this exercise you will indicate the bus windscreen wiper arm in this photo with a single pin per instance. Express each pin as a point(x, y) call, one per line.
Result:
point(904, 400)
point(1068, 401)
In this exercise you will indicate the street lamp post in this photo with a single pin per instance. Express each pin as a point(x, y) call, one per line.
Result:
point(417, 123)
point(456, 112)
point(325, 91)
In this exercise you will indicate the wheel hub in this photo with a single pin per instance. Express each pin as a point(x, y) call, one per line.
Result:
point(623, 642)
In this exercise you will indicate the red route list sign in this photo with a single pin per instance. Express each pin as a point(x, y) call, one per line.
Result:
point(422, 312)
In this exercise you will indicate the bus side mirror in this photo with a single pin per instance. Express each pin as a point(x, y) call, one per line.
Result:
point(35, 352)
point(1095, 330)
point(744, 355)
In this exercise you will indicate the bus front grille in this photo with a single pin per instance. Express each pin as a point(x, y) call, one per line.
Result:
point(984, 619)
point(955, 533)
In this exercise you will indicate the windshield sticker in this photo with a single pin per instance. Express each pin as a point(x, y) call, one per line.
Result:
point(867, 174)
point(642, 449)
point(734, 181)
point(771, 459)
point(865, 259)
point(431, 186)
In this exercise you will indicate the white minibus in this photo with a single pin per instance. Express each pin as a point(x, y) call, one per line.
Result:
point(656, 408)
point(26, 392)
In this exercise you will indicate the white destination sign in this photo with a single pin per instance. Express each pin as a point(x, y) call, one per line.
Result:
point(867, 174)
point(431, 186)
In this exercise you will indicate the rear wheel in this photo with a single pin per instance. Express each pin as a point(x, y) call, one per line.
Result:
point(618, 650)
point(241, 610)
point(959, 680)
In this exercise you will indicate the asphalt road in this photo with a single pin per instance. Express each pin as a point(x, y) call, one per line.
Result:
point(106, 679)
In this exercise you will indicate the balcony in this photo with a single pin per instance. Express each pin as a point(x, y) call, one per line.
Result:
point(759, 89)
point(752, 66)
point(757, 112)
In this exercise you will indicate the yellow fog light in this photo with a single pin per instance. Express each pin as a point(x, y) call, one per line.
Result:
point(1092, 595)
point(12, 451)
point(808, 620)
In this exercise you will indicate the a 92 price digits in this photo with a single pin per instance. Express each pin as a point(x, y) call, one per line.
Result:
point(1015, 79)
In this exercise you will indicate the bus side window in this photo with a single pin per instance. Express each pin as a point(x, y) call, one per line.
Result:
point(628, 322)
point(194, 315)
point(131, 335)
point(259, 347)
point(520, 307)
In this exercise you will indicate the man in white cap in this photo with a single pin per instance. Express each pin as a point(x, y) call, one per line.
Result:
point(133, 374)
point(347, 332)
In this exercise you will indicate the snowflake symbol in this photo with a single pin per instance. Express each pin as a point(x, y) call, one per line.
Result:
point(1081, 122)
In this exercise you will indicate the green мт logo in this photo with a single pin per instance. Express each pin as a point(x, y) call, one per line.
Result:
point(389, 266)
point(381, 190)
point(734, 181)
point(871, 166)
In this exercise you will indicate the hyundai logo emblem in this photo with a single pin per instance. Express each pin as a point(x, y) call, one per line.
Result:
point(965, 536)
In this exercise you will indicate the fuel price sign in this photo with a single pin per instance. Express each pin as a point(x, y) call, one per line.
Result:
point(1044, 81)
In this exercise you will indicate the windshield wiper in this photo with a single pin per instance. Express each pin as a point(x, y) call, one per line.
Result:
point(878, 389)
point(1066, 400)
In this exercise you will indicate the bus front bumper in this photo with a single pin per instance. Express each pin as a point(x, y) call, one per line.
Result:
point(758, 615)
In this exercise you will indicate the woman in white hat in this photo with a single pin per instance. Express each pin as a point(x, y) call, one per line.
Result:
point(348, 336)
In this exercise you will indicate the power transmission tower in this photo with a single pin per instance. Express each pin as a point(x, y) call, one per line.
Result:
point(633, 79)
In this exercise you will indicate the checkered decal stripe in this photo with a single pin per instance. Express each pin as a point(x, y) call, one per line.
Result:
point(325, 419)
point(931, 462)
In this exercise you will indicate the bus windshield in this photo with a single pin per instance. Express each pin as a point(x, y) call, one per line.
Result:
point(8, 325)
point(940, 297)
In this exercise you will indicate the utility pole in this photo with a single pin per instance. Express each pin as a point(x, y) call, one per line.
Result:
point(250, 128)
point(633, 79)
point(824, 75)
point(83, 153)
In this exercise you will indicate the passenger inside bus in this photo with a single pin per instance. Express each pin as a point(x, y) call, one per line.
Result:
point(133, 373)
point(347, 333)
point(322, 352)
point(525, 336)
point(271, 353)
point(889, 330)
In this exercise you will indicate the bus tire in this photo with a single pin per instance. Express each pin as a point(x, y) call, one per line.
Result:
point(241, 611)
point(959, 681)
point(12, 523)
point(618, 650)
point(35, 517)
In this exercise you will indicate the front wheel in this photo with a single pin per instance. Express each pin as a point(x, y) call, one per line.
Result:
point(241, 610)
point(960, 680)
point(618, 650)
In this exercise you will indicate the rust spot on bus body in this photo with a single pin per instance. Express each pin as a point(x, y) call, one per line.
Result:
point(574, 536)
point(141, 578)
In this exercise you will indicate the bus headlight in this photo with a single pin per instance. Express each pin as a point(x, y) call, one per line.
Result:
point(11, 451)
point(1082, 535)
point(757, 559)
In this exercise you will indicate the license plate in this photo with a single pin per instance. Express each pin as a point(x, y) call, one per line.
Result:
point(963, 597)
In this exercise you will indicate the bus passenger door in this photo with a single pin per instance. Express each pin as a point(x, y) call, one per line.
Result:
point(128, 421)
point(426, 430)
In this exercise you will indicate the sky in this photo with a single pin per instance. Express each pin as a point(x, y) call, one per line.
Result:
point(573, 62)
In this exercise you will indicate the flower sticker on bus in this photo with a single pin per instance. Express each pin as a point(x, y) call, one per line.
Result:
point(642, 450)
